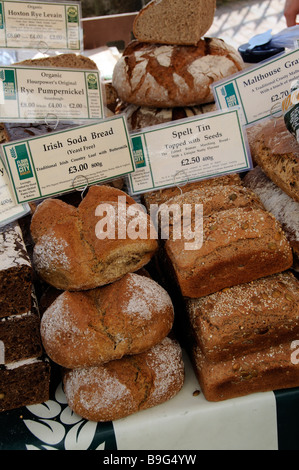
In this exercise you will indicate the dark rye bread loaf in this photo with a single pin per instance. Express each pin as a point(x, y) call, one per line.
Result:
point(174, 21)
point(128, 385)
point(270, 369)
point(246, 318)
point(73, 252)
point(129, 316)
point(69, 60)
point(239, 245)
point(276, 151)
point(166, 76)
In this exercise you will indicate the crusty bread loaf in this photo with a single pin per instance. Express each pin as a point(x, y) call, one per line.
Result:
point(128, 385)
point(276, 201)
point(71, 251)
point(277, 153)
point(174, 21)
point(128, 316)
point(246, 318)
point(165, 76)
point(139, 117)
point(69, 60)
point(266, 370)
point(239, 245)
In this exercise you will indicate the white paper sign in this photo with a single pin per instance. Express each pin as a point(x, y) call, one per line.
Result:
point(34, 94)
point(259, 90)
point(63, 161)
point(41, 25)
point(189, 150)
point(9, 209)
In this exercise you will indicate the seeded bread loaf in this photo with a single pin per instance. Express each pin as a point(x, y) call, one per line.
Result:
point(128, 385)
point(277, 153)
point(263, 371)
point(76, 249)
point(276, 201)
point(246, 318)
point(129, 316)
point(174, 21)
point(239, 245)
point(166, 76)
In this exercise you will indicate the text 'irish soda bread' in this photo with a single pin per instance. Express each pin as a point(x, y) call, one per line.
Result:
point(94, 244)
point(165, 76)
point(246, 318)
point(174, 21)
point(125, 386)
point(129, 316)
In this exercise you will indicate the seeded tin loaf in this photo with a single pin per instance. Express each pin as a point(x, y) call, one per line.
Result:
point(246, 318)
point(239, 245)
point(273, 368)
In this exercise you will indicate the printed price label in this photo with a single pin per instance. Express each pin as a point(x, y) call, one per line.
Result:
point(260, 90)
point(9, 209)
point(34, 94)
point(41, 25)
point(192, 149)
point(62, 161)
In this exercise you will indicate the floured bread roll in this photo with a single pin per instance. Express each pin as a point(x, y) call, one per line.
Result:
point(76, 249)
point(174, 21)
point(165, 76)
point(128, 385)
point(128, 316)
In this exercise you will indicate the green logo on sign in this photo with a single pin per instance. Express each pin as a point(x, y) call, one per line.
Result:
point(72, 14)
point(7, 77)
point(20, 154)
point(92, 81)
point(138, 153)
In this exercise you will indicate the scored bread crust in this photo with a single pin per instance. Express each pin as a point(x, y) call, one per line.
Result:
point(174, 21)
point(165, 76)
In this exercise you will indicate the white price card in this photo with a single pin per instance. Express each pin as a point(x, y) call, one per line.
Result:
point(31, 94)
point(9, 209)
point(72, 159)
point(189, 150)
point(259, 90)
point(41, 25)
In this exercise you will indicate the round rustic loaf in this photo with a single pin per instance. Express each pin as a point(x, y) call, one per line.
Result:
point(129, 316)
point(73, 252)
point(165, 76)
point(128, 385)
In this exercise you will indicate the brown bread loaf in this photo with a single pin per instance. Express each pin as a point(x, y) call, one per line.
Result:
point(69, 60)
point(277, 153)
point(274, 368)
point(71, 251)
point(239, 245)
point(174, 21)
point(129, 316)
point(246, 318)
point(128, 385)
point(166, 76)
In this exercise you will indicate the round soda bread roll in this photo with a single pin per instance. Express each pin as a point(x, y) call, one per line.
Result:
point(129, 316)
point(80, 248)
point(165, 76)
point(174, 21)
point(128, 385)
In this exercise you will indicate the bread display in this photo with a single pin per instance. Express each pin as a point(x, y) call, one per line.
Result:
point(277, 153)
point(246, 318)
point(73, 252)
point(129, 316)
point(239, 245)
point(165, 76)
point(276, 201)
point(128, 385)
point(15, 272)
point(263, 371)
point(174, 21)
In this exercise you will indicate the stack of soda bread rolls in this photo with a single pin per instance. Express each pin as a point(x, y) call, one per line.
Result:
point(109, 328)
point(167, 71)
